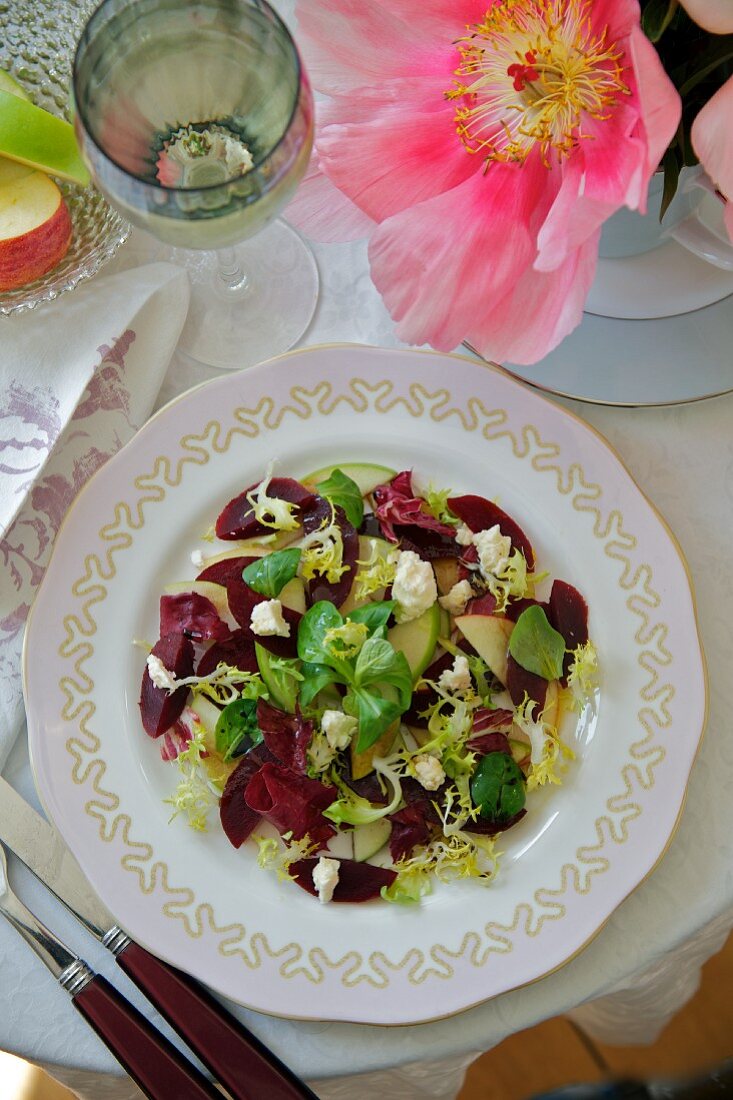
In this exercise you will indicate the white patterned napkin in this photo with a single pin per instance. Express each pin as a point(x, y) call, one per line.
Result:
point(77, 379)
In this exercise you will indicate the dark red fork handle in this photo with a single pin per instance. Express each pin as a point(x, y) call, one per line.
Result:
point(233, 1055)
point(157, 1067)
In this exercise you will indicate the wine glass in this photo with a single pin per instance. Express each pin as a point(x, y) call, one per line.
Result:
point(196, 122)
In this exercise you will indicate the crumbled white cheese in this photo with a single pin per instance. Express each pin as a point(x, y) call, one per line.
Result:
point(464, 535)
point(338, 727)
point(455, 601)
point(414, 586)
point(159, 674)
point(428, 771)
point(197, 559)
point(325, 878)
point(493, 550)
point(267, 619)
point(456, 679)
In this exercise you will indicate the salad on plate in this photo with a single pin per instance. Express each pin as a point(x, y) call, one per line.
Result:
point(366, 680)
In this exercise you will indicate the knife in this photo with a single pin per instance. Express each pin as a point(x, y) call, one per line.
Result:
point(231, 1053)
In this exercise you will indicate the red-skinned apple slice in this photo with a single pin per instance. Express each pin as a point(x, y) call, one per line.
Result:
point(489, 635)
point(35, 226)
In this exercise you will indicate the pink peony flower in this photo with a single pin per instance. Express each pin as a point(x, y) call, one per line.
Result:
point(480, 146)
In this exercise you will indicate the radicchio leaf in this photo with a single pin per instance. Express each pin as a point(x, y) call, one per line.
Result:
point(222, 571)
point(480, 514)
point(287, 736)
point(568, 614)
point(237, 520)
point(243, 599)
point(396, 503)
point(519, 681)
point(292, 803)
point(191, 614)
point(485, 743)
point(237, 818)
point(159, 709)
point(481, 605)
point(428, 544)
point(357, 881)
point(237, 649)
point(410, 827)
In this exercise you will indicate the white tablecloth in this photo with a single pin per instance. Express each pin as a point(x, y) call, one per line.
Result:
point(645, 963)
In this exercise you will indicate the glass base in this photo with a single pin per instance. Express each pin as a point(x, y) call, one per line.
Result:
point(236, 328)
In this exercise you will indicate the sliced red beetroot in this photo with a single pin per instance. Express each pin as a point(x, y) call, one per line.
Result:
point(357, 881)
point(237, 818)
point(237, 519)
point(238, 650)
point(222, 571)
point(568, 613)
point(410, 827)
point(193, 615)
point(519, 681)
point(484, 743)
point(516, 607)
point(480, 514)
point(292, 803)
point(492, 828)
point(320, 588)
point(287, 736)
point(159, 709)
point(428, 545)
point(482, 605)
point(395, 503)
point(242, 601)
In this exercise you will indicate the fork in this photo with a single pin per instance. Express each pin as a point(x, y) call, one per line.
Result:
point(153, 1063)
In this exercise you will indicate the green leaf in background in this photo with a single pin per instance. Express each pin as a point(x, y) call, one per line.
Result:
point(657, 16)
point(237, 730)
point(344, 493)
point(536, 646)
point(497, 787)
point(671, 165)
point(373, 615)
point(270, 574)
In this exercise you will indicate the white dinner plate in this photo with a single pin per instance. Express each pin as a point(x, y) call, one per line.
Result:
point(207, 908)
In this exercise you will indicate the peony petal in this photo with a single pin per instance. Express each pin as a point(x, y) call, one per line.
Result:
point(350, 43)
point(446, 261)
point(538, 312)
point(440, 18)
point(661, 106)
point(712, 139)
point(392, 147)
point(324, 213)
point(713, 15)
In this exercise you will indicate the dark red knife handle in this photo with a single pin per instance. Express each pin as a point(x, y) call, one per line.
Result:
point(153, 1063)
point(233, 1055)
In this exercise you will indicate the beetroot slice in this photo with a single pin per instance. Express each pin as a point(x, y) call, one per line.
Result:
point(158, 709)
point(492, 828)
point(410, 827)
point(519, 681)
point(193, 615)
point(238, 650)
point(228, 569)
point(292, 802)
point(237, 818)
point(516, 607)
point(319, 588)
point(568, 614)
point(237, 518)
point(242, 601)
point(287, 736)
point(482, 605)
point(480, 514)
point(357, 881)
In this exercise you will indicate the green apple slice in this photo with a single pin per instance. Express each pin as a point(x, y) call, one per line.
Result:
point(489, 635)
point(283, 689)
point(39, 139)
point(11, 86)
point(366, 476)
point(369, 546)
point(369, 839)
point(417, 639)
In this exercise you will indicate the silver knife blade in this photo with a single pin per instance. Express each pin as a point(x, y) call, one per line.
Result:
point(43, 851)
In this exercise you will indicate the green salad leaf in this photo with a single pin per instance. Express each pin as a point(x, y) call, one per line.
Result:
point(375, 616)
point(497, 787)
point(316, 677)
point(269, 575)
point(537, 646)
point(314, 626)
point(343, 492)
point(237, 730)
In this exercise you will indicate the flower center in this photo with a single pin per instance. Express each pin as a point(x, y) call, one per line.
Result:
point(530, 74)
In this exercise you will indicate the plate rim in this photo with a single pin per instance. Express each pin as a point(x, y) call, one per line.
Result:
point(520, 385)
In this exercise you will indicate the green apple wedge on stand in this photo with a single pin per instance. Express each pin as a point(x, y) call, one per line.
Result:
point(35, 137)
point(366, 475)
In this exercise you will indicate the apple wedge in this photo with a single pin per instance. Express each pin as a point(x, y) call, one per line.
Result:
point(368, 547)
point(11, 86)
point(417, 639)
point(362, 763)
point(35, 225)
point(366, 475)
point(39, 139)
point(489, 635)
point(446, 574)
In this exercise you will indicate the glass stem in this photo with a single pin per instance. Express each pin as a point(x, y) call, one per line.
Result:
point(230, 272)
